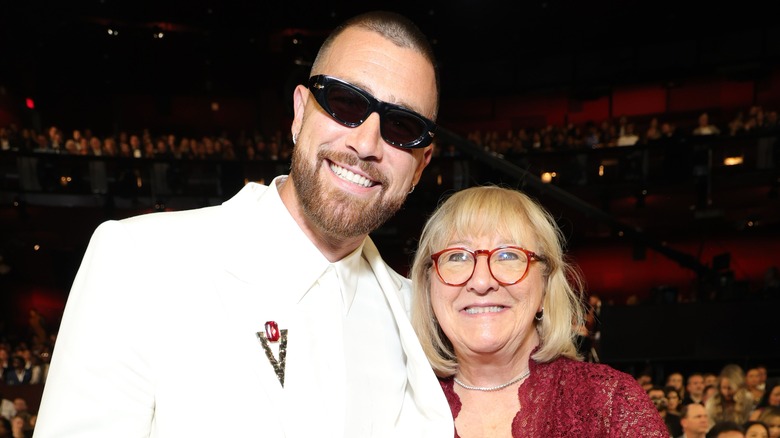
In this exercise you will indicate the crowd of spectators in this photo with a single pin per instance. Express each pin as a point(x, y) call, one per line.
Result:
point(143, 144)
point(703, 405)
point(278, 146)
point(622, 132)
point(24, 360)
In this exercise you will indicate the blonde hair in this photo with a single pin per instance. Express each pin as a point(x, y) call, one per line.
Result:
point(717, 407)
point(490, 210)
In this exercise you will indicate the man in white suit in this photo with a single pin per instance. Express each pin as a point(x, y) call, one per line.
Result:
point(272, 315)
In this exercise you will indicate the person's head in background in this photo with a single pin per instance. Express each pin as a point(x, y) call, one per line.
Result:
point(658, 397)
point(771, 417)
point(673, 399)
point(694, 386)
point(726, 429)
point(675, 380)
point(771, 396)
point(694, 420)
point(756, 429)
point(753, 382)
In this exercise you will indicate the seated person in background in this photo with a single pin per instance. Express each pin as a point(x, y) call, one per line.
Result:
point(771, 397)
point(675, 380)
point(19, 428)
point(732, 401)
point(629, 137)
point(673, 399)
point(694, 421)
point(5, 428)
point(659, 397)
point(704, 126)
point(495, 307)
point(752, 383)
point(726, 429)
point(771, 418)
point(18, 374)
point(694, 389)
point(755, 429)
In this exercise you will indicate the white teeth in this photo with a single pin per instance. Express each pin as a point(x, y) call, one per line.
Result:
point(351, 176)
point(490, 309)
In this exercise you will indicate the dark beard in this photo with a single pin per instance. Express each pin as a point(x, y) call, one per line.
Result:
point(336, 213)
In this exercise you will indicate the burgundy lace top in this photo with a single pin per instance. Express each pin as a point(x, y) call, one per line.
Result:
point(567, 398)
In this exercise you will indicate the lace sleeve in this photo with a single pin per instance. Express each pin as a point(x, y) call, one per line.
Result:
point(633, 413)
point(567, 398)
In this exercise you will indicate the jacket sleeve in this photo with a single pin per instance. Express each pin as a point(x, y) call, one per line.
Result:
point(99, 383)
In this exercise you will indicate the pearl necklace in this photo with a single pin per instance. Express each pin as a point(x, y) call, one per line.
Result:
point(493, 388)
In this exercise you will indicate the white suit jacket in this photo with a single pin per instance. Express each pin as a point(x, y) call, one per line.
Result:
point(158, 334)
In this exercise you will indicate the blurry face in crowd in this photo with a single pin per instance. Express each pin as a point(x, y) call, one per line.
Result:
point(774, 396)
point(696, 420)
point(675, 380)
point(658, 398)
point(673, 400)
point(695, 385)
point(731, 434)
point(773, 424)
point(726, 389)
point(752, 378)
point(756, 431)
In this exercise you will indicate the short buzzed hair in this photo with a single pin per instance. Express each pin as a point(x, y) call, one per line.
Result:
point(392, 26)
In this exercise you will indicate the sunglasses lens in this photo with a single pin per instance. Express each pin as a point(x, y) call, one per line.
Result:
point(401, 128)
point(347, 105)
point(351, 107)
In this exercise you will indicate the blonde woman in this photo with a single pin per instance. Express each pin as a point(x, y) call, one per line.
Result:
point(496, 310)
point(732, 401)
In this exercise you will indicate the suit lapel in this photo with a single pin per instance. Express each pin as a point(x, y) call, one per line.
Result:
point(425, 389)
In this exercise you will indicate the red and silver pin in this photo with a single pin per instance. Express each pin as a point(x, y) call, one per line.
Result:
point(274, 334)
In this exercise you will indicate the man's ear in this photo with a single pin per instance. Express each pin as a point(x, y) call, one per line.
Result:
point(300, 98)
point(427, 154)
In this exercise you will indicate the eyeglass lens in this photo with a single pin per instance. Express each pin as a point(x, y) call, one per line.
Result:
point(507, 265)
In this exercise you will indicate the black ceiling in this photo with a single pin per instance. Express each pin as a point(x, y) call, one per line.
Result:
point(239, 47)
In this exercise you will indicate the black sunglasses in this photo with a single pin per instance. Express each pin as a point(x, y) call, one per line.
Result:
point(351, 106)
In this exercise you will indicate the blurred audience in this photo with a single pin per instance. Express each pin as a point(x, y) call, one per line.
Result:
point(732, 402)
